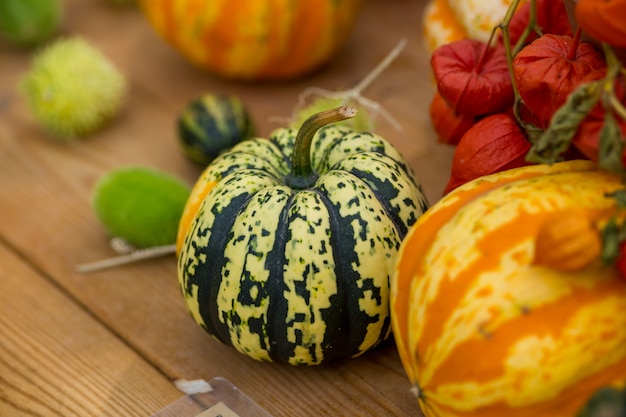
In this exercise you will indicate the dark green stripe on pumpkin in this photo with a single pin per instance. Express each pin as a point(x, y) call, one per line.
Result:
point(251, 239)
point(393, 187)
point(254, 154)
point(277, 309)
point(354, 282)
point(203, 260)
point(259, 238)
point(343, 324)
point(306, 286)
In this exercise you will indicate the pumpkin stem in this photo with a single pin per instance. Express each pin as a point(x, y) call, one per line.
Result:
point(302, 175)
point(571, 54)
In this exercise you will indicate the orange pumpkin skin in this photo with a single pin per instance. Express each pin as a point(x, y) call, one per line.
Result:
point(481, 330)
point(440, 25)
point(254, 39)
point(446, 21)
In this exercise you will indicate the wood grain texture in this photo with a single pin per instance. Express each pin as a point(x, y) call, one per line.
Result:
point(57, 360)
point(47, 220)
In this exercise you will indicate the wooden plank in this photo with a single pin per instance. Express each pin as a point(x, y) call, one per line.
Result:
point(56, 360)
point(46, 214)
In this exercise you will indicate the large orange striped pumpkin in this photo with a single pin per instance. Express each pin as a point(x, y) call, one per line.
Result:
point(482, 330)
point(254, 39)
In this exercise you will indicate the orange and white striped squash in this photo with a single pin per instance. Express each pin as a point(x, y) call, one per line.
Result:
point(482, 330)
point(254, 39)
point(445, 21)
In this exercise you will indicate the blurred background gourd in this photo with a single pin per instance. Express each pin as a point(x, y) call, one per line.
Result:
point(254, 39)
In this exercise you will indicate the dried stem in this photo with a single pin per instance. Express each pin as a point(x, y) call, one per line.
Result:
point(615, 69)
point(135, 256)
point(506, 38)
point(354, 93)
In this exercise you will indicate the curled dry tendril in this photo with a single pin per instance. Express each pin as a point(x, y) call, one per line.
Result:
point(354, 95)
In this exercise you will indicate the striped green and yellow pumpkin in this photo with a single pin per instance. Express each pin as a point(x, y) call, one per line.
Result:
point(287, 244)
point(211, 124)
point(482, 329)
point(254, 39)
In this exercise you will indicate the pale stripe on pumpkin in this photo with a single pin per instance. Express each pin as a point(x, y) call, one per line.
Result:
point(253, 154)
point(403, 201)
point(365, 256)
point(243, 296)
point(309, 277)
point(200, 261)
point(332, 146)
point(257, 154)
point(559, 360)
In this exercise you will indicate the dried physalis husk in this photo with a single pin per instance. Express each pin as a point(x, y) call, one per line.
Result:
point(473, 77)
point(549, 69)
point(553, 143)
point(551, 17)
point(449, 126)
point(495, 143)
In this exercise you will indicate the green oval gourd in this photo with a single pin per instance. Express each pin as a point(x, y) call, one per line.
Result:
point(142, 205)
point(286, 244)
point(29, 23)
point(211, 124)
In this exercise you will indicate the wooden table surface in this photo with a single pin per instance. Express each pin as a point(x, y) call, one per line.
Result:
point(112, 343)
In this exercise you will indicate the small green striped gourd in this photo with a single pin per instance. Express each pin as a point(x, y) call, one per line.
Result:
point(287, 244)
point(211, 124)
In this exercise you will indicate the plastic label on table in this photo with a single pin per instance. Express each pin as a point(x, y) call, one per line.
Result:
point(219, 399)
point(218, 410)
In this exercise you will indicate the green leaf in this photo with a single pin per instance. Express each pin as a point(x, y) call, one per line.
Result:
point(619, 196)
point(611, 145)
point(29, 23)
point(606, 402)
point(557, 138)
point(532, 132)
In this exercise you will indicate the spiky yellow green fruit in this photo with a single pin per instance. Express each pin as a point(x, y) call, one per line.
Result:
point(29, 22)
point(141, 205)
point(73, 89)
